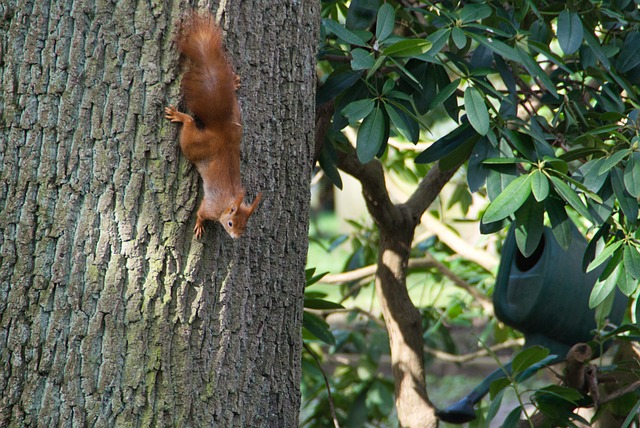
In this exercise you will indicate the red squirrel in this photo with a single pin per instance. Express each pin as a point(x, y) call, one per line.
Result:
point(212, 143)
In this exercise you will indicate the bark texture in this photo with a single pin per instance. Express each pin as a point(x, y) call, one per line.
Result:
point(111, 312)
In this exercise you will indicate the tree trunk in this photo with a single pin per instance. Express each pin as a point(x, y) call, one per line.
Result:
point(404, 325)
point(111, 312)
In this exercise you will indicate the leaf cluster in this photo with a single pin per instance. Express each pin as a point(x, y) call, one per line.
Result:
point(544, 95)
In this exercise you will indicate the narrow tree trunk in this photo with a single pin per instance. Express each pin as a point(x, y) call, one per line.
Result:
point(111, 312)
point(404, 325)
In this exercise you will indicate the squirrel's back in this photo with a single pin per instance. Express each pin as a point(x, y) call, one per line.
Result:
point(209, 84)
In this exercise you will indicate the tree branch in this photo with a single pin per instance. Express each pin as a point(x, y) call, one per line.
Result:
point(453, 358)
point(374, 189)
point(457, 244)
point(424, 262)
point(428, 190)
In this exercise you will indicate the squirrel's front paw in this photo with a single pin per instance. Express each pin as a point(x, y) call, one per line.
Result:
point(198, 230)
point(172, 114)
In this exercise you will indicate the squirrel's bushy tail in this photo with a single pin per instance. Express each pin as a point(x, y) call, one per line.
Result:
point(209, 84)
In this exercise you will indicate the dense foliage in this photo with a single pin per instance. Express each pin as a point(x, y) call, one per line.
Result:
point(544, 101)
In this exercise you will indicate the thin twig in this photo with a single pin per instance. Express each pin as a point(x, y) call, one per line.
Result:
point(453, 358)
point(620, 392)
point(424, 262)
point(326, 383)
point(370, 315)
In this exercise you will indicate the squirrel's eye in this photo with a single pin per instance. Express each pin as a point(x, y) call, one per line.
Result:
point(230, 224)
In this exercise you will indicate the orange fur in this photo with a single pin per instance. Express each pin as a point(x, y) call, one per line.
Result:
point(209, 89)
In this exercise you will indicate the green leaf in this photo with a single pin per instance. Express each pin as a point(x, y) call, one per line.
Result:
point(358, 110)
point(459, 155)
point(505, 161)
point(438, 40)
point(570, 31)
point(361, 13)
point(613, 160)
point(590, 251)
point(592, 179)
point(498, 178)
point(445, 93)
point(362, 59)
point(627, 284)
point(528, 357)
point(318, 327)
point(632, 175)
point(536, 71)
point(602, 289)
point(476, 171)
point(494, 406)
point(497, 386)
point(385, 22)
point(370, 135)
point(475, 12)
point(594, 44)
point(560, 222)
point(628, 204)
point(497, 46)
point(539, 185)
point(629, 56)
point(407, 48)
point(631, 416)
point(568, 394)
point(381, 60)
point(327, 161)
point(342, 33)
point(512, 198)
point(447, 144)
point(476, 110)
point(631, 258)
point(529, 226)
point(406, 126)
point(335, 84)
point(321, 304)
point(571, 197)
point(513, 418)
point(459, 38)
point(311, 279)
point(568, 180)
point(604, 255)
point(388, 86)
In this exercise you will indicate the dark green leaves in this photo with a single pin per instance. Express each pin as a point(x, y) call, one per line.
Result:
point(527, 358)
point(407, 48)
point(512, 198)
point(448, 144)
point(570, 196)
point(476, 110)
point(385, 22)
point(570, 34)
point(318, 328)
point(539, 185)
point(629, 56)
point(343, 33)
point(371, 135)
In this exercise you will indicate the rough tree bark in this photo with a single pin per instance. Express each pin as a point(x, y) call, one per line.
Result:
point(111, 312)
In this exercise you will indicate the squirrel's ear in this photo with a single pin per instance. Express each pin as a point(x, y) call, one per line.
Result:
point(238, 201)
point(255, 203)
